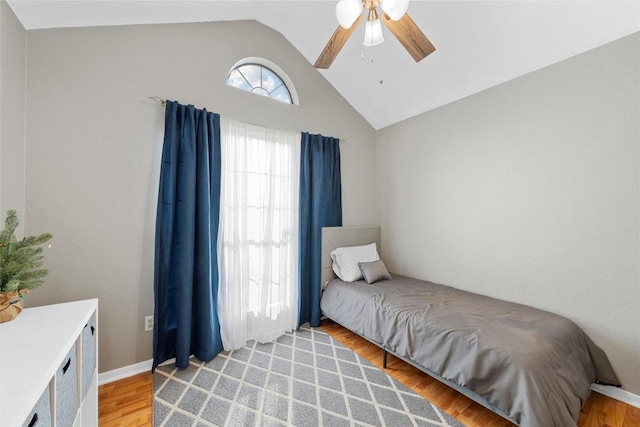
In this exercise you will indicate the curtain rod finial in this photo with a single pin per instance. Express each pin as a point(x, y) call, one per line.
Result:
point(162, 101)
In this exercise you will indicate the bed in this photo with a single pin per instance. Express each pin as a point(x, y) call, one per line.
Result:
point(532, 367)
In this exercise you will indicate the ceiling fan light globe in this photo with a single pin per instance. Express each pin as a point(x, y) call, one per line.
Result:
point(347, 11)
point(373, 33)
point(387, 5)
point(395, 9)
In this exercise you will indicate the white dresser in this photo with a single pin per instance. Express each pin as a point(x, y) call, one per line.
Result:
point(48, 366)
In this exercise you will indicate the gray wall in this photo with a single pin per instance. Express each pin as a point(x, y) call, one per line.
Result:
point(529, 191)
point(94, 143)
point(12, 115)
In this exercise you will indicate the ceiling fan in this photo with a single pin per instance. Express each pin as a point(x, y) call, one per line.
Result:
point(395, 18)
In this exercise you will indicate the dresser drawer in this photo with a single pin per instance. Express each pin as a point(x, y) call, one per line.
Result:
point(67, 390)
point(89, 346)
point(40, 416)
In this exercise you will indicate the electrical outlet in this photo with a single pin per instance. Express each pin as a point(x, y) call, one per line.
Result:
point(148, 323)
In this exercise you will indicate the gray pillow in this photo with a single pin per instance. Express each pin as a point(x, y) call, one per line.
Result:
point(374, 271)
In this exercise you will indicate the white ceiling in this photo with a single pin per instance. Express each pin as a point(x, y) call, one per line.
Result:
point(479, 44)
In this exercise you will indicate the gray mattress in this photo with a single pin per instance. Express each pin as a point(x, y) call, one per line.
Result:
point(534, 366)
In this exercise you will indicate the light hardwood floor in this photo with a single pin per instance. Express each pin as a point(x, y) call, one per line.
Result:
point(128, 402)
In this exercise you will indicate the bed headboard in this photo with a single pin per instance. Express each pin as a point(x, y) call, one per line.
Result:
point(336, 237)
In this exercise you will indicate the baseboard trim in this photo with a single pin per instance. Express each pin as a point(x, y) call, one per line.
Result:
point(618, 394)
point(125, 372)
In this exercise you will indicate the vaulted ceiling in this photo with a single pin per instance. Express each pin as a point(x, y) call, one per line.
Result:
point(479, 44)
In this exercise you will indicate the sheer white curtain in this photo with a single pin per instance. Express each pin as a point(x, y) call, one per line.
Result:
point(258, 238)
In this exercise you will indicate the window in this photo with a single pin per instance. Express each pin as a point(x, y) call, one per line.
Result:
point(258, 240)
point(262, 77)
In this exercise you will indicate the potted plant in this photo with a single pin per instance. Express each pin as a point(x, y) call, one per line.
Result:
point(20, 267)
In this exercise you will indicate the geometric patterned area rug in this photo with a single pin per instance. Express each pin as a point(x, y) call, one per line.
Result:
point(305, 378)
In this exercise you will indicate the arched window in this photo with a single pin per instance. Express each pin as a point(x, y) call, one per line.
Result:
point(262, 77)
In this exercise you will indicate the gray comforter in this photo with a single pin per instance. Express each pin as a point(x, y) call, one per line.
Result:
point(535, 366)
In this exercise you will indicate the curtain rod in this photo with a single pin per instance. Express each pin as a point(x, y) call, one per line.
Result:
point(163, 102)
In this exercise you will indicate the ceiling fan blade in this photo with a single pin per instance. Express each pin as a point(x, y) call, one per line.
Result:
point(338, 39)
point(410, 36)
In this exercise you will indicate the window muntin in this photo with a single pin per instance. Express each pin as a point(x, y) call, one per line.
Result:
point(261, 80)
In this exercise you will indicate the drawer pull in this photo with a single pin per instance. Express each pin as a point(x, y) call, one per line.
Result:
point(93, 330)
point(34, 420)
point(66, 366)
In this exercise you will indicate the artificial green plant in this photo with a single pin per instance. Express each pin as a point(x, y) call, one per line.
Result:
point(20, 260)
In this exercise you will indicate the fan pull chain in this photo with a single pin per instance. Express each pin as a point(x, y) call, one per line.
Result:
point(362, 52)
point(362, 55)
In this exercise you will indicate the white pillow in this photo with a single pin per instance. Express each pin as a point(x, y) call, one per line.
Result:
point(345, 260)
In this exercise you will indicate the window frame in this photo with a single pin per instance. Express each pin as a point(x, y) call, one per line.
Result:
point(287, 83)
